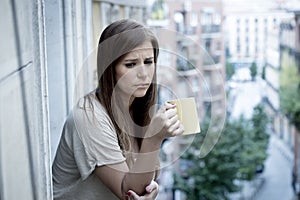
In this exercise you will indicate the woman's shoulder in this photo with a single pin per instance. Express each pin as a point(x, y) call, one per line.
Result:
point(90, 104)
point(91, 119)
point(89, 109)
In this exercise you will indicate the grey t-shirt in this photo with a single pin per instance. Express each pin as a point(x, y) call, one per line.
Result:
point(88, 140)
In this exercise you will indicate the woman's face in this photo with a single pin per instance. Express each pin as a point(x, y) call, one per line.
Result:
point(135, 70)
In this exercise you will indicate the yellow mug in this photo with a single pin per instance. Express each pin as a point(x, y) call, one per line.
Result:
point(187, 114)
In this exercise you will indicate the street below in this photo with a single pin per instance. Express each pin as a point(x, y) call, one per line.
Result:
point(278, 172)
point(276, 178)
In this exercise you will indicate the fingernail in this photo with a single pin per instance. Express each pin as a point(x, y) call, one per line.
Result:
point(149, 189)
point(129, 193)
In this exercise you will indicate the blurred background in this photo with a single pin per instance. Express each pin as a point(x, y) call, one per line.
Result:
point(240, 59)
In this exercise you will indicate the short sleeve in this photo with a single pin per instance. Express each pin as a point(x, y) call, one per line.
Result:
point(95, 142)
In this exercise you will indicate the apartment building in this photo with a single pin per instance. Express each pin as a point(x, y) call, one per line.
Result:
point(191, 64)
point(290, 61)
point(191, 35)
point(273, 69)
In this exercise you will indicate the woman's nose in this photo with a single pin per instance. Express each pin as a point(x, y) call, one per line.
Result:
point(142, 72)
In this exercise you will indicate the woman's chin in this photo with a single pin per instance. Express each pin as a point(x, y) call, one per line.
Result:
point(139, 94)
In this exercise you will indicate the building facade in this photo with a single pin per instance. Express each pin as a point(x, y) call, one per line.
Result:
point(290, 75)
point(24, 121)
point(247, 26)
point(191, 64)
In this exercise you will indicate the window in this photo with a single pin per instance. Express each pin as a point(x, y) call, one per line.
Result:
point(194, 19)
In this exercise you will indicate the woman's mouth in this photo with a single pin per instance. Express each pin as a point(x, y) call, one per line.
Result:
point(142, 85)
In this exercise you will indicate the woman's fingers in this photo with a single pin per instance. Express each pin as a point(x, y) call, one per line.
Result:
point(171, 121)
point(176, 129)
point(165, 107)
point(170, 113)
point(131, 195)
point(169, 106)
point(179, 130)
point(152, 186)
point(151, 189)
point(174, 126)
point(166, 122)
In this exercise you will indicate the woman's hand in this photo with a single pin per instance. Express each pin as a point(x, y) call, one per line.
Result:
point(151, 189)
point(165, 123)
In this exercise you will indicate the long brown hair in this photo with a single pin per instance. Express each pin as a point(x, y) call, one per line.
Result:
point(118, 39)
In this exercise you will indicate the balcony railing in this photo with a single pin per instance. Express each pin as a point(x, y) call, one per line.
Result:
point(190, 30)
point(215, 59)
point(211, 67)
point(184, 65)
point(214, 94)
point(210, 28)
point(187, 30)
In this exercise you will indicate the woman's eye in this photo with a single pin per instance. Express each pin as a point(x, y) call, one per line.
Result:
point(129, 65)
point(148, 62)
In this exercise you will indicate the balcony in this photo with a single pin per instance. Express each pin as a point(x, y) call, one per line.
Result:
point(186, 30)
point(184, 65)
point(185, 40)
point(190, 30)
point(188, 73)
point(210, 59)
point(187, 35)
point(210, 29)
point(214, 94)
point(212, 66)
point(159, 23)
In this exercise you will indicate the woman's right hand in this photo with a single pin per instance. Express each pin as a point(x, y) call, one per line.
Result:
point(151, 193)
point(165, 123)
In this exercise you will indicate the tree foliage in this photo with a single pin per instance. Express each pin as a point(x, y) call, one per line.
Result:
point(263, 73)
point(229, 70)
point(253, 70)
point(158, 11)
point(254, 144)
point(290, 90)
point(236, 156)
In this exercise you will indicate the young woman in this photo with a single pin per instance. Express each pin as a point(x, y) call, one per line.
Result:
point(111, 140)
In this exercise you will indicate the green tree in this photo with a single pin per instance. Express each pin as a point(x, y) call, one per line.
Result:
point(211, 177)
point(240, 150)
point(229, 70)
point(255, 143)
point(263, 73)
point(290, 104)
point(158, 12)
point(290, 89)
point(253, 70)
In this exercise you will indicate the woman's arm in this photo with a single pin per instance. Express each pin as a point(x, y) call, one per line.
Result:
point(120, 179)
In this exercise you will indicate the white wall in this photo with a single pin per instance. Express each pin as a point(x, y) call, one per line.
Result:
point(24, 135)
point(69, 41)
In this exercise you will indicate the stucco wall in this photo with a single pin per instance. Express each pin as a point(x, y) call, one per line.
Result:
point(24, 134)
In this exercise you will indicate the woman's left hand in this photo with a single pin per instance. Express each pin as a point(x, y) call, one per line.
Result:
point(151, 189)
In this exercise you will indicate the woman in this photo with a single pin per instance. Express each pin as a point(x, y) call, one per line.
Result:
point(110, 142)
